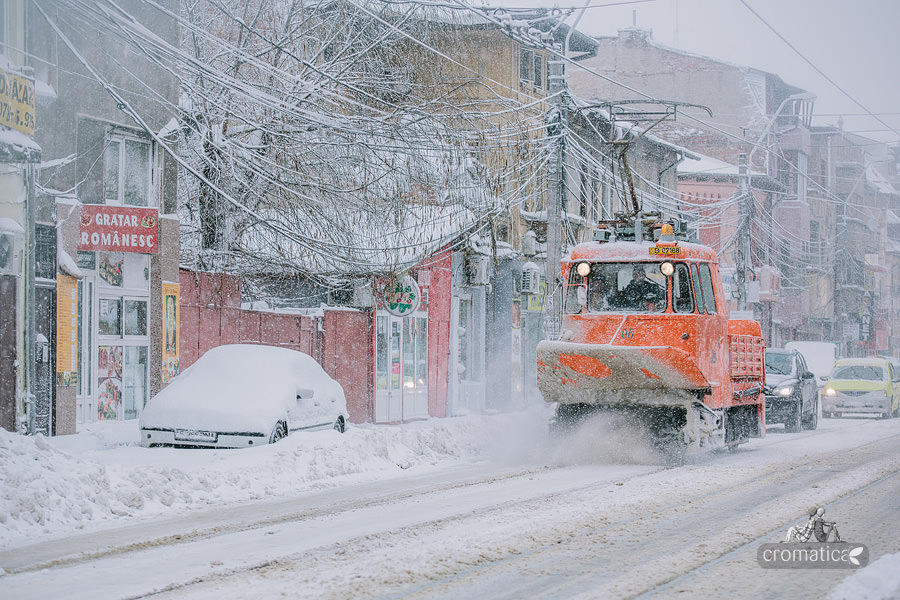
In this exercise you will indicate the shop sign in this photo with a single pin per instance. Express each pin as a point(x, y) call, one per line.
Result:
point(66, 331)
point(119, 229)
point(402, 296)
point(17, 102)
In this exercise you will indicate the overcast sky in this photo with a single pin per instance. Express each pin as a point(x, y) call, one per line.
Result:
point(854, 43)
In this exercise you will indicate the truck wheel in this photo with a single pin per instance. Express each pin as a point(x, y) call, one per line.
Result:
point(792, 423)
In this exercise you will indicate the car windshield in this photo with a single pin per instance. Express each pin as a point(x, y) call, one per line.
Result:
point(779, 364)
point(617, 287)
point(864, 372)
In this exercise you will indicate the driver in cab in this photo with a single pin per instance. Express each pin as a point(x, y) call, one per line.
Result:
point(641, 293)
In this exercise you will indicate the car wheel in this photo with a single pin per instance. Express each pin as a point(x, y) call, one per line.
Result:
point(279, 433)
point(339, 425)
point(811, 421)
point(792, 423)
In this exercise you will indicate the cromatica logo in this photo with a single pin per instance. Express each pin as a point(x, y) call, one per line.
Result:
point(815, 544)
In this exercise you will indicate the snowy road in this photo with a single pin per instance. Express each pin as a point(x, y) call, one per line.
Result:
point(575, 528)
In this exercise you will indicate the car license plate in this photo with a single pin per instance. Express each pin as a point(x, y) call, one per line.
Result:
point(194, 435)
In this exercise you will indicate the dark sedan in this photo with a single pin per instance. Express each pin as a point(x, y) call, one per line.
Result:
point(791, 392)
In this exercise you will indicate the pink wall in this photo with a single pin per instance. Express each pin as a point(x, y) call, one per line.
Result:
point(211, 315)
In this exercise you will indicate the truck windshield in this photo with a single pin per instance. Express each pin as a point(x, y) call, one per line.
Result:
point(617, 287)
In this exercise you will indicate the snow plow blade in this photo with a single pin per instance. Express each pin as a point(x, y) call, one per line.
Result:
point(571, 372)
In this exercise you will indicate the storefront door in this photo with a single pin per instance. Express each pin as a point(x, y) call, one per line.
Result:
point(401, 368)
point(114, 344)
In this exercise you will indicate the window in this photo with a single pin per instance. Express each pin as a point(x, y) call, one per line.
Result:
point(706, 284)
point(538, 71)
point(118, 315)
point(683, 299)
point(531, 68)
point(126, 172)
point(135, 317)
point(45, 251)
point(617, 287)
point(110, 316)
point(701, 307)
point(3, 24)
point(526, 65)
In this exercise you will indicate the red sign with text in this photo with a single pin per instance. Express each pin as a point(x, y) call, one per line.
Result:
point(119, 229)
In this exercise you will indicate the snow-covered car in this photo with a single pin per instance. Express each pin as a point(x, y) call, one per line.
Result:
point(862, 385)
point(242, 395)
point(791, 392)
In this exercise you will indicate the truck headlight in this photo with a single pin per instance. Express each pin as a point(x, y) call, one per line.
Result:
point(785, 390)
point(830, 392)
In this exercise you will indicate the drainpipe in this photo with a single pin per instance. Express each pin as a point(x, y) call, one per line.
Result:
point(30, 330)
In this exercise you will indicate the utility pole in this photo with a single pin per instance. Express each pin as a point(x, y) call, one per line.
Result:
point(557, 127)
point(743, 244)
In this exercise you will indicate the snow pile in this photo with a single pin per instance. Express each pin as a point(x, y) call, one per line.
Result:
point(101, 475)
point(879, 581)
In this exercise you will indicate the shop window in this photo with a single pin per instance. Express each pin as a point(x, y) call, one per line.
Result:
point(120, 316)
point(45, 252)
point(125, 270)
point(126, 172)
point(135, 317)
point(87, 260)
point(110, 316)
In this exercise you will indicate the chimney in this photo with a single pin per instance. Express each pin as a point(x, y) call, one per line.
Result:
point(636, 35)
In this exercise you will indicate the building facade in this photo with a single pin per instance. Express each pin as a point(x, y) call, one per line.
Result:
point(20, 155)
point(106, 240)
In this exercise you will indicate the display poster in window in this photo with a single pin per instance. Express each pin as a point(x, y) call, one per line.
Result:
point(112, 265)
point(119, 229)
point(109, 388)
point(171, 315)
point(402, 296)
point(66, 331)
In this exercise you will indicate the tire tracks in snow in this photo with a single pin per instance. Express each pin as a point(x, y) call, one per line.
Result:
point(426, 573)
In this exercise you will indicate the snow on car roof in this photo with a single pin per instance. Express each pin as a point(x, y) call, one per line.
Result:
point(236, 384)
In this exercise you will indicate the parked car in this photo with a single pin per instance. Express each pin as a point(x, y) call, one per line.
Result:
point(243, 395)
point(862, 385)
point(791, 391)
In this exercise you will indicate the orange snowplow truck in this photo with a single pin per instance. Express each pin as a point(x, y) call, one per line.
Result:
point(645, 335)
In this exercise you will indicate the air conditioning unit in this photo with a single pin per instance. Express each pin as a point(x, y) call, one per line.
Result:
point(531, 279)
point(363, 296)
point(10, 253)
point(478, 269)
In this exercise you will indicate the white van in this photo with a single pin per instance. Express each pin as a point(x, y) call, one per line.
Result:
point(820, 357)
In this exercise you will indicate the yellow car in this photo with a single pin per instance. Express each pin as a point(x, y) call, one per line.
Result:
point(862, 385)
